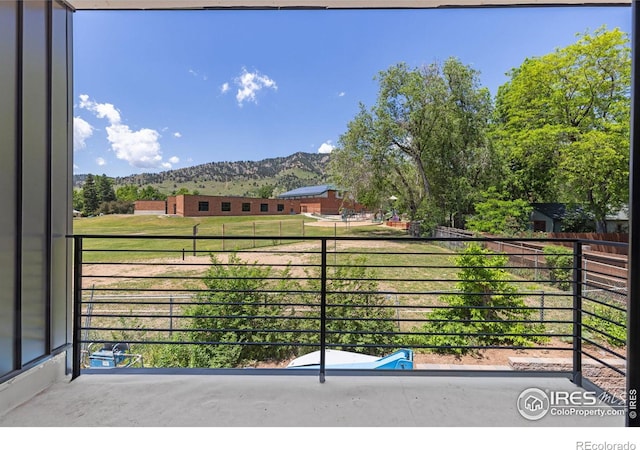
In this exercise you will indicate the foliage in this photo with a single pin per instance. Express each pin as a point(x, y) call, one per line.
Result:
point(181, 191)
point(127, 193)
point(150, 193)
point(357, 319)
point(78, 199)
point(609, 320)
point(266, 191)
point(90, 196)
point(116, 207)
point(98, 196)
point(424, 141)
point(562, 125)
point(559, 261)
point(596, 168)
point(236, 310)
point(577, 220)
point(104, 188)
point(500, 217)
point(487, 311)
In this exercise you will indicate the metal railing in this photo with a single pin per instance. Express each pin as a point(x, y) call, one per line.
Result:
point(260, 306)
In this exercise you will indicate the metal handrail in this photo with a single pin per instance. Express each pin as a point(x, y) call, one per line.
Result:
point(309, 304)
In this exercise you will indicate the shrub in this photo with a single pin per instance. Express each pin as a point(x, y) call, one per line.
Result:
point(487, 311)
point(233, 323)
point(607, 320)
point(357, 318)
point(116, 207)
point(560, 264)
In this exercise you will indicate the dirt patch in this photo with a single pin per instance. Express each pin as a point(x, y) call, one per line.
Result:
point(493, 357)
point(343, 224)
point(488, 357)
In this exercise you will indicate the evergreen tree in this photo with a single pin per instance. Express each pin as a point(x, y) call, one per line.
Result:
point(90, 194)
point(104, 189)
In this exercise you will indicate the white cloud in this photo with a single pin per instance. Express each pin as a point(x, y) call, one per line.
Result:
point(224, 88)
point(177, 134)
point(249, 83)
point(101, 162)
point(174, 160)
point(197, 74)
point(82, 130)
point(326, 147)
point(341, 94)
point(101, 110)
point(139, 148)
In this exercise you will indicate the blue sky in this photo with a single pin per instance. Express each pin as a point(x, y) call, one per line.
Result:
point(160, 90)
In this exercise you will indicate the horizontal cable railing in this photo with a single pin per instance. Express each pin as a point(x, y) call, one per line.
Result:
point(263, 302)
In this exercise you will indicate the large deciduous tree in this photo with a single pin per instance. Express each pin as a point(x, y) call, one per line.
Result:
point(424, 141)
point(562, 125)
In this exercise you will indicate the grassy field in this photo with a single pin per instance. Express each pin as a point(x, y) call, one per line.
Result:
point(247, 227)
point(283, 225)
point(175, 225)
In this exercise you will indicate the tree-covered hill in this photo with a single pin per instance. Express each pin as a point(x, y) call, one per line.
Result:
point(234, 178)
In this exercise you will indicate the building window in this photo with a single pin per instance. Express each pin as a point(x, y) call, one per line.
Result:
point(226, 206)
point(264, 207)
point(203, 206)
point(280, 207)
point(246, 207)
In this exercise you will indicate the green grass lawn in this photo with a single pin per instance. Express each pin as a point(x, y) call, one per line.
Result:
point(247, 227)
point(183, 226)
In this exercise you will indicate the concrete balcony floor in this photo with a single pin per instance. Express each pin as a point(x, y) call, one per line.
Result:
point(149, 400)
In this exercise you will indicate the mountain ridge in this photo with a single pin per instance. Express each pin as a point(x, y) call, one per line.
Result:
point(234, 177)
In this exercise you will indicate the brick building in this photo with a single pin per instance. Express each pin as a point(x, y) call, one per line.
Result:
point(211, 205)
point(323, 199)
point(150, 207)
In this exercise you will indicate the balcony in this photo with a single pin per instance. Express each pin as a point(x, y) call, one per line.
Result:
point(199, 330)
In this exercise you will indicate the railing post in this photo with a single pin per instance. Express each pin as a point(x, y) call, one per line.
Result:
point(170, 315)
point(323, 308)
point(633, 276)
point(195, 232)
point(77, 306)
point(577, 313)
